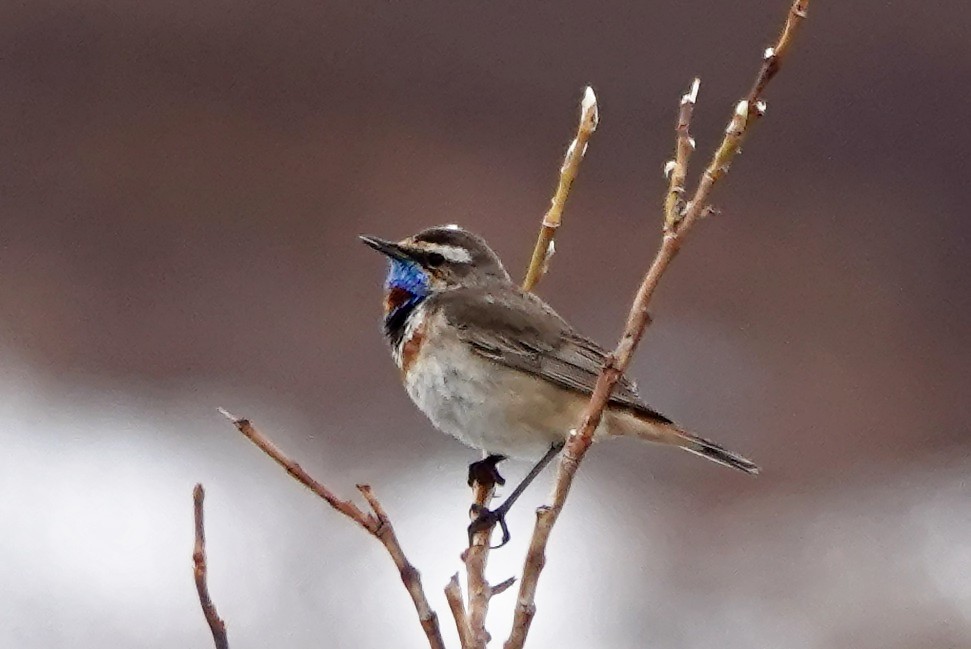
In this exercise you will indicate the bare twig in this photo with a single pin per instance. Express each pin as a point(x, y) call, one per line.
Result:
point(503, 586)
point(410, 576)
point(589, 117)
point(453, 594)
point(200, 569)
point(752, 105)
point(678, 167)
point(637, 321)
point(345, 507)
point(476, 557)
point(376, 523)
point(772, 57)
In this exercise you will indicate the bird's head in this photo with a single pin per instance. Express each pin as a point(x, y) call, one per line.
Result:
point(434, 260)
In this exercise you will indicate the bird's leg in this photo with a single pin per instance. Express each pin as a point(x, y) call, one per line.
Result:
point(487, 518)
point(485, 472)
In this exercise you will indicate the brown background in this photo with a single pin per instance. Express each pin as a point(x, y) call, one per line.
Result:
point(180, 189)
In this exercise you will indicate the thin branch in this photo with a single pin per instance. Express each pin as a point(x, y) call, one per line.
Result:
point(345, 507)
point(752, 105)
point(678, 168)
point(772, 58)
point(525, 608)
point(543, 250)
point(637, 321)
point(376, 523)
point(453, 594)
point(476, 557)
point(503, 586)
point(201, 571)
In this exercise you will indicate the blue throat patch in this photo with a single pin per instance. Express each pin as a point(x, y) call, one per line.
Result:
point(407, 276)
point(406, 285)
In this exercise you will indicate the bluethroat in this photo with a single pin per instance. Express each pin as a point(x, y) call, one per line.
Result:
point(496, 367)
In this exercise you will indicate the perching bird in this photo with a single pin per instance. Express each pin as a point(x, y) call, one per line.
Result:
point(495, 367)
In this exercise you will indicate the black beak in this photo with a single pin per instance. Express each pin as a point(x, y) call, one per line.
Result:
point(388, 248)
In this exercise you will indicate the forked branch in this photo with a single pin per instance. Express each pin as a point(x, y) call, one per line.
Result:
point(476, 557)
point(675, 230)
point(679, 218)
point(376, 522)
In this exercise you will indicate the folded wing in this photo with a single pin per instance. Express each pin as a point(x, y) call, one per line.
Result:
point(518, 330)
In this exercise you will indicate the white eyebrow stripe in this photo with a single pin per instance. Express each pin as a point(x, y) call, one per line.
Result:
point(454, 254)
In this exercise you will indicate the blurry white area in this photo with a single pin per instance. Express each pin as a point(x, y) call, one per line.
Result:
point(95, 504)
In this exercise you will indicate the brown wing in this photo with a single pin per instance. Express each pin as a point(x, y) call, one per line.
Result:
point(517, 329)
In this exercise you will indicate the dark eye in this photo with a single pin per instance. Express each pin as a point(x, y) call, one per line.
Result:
point(434, 259)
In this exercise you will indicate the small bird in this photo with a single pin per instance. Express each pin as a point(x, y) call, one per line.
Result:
point(496, 367)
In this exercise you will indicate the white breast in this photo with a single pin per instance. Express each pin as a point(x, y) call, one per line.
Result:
point(483, 404)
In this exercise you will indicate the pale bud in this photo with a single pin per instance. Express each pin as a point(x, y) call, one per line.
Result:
point(589, 112)
point(550, 251)
point(691, 96)
point(739, 118)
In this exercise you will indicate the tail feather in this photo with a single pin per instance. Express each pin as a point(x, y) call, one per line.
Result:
point(716, 453)
point(654, 428)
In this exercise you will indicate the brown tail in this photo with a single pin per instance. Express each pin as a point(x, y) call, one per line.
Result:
point(715, 452)
point(652, 427)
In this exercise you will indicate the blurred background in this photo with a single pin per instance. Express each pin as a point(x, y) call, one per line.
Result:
point(181, 189)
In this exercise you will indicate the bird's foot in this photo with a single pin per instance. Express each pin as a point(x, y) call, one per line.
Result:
point(485, 472)
point(486, 519)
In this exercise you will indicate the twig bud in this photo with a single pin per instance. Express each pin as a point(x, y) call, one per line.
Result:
point(737, 125)
point(691, 96)
point(589, 112)
point(669, 167)
point(550, 251)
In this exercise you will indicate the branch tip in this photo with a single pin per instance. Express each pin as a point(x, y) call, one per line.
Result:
point(377, 524)
point(228, 415)
point(589, 119)
point(737, 124)
point(453, 594)
point(589, 111)
point(691, 96)
point(200, 571)
point(503, 586)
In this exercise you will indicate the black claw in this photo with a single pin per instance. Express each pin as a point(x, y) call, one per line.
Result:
point(486, 519)
point(485, 472)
